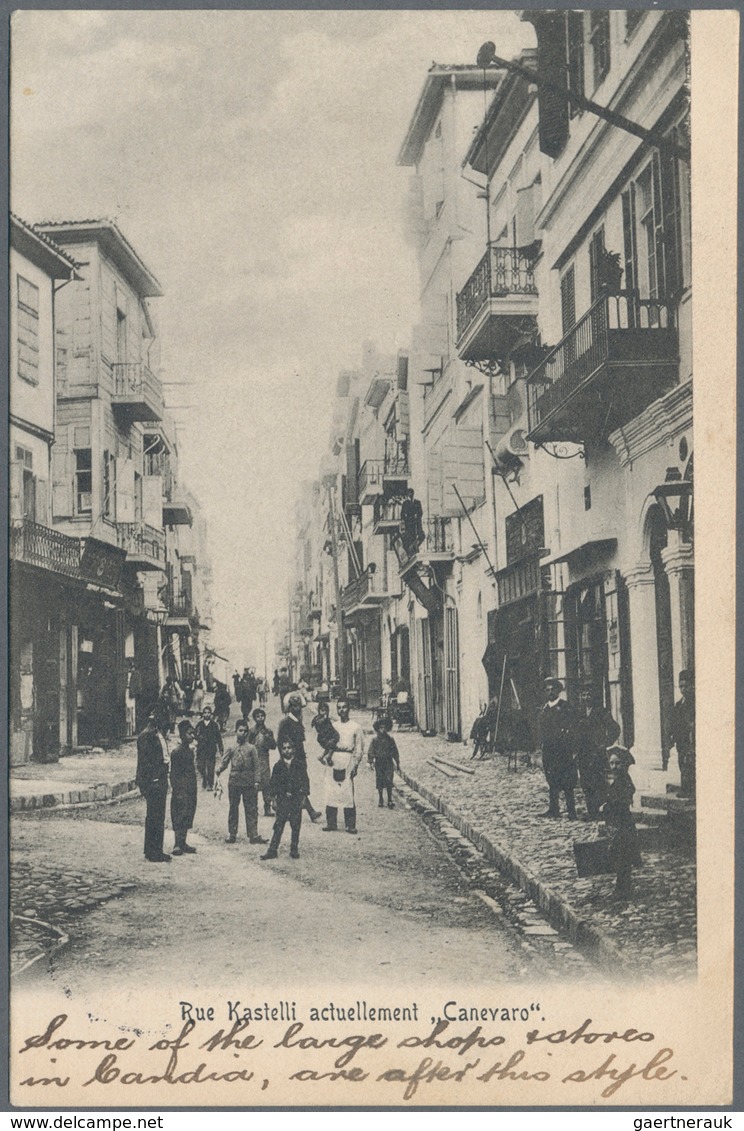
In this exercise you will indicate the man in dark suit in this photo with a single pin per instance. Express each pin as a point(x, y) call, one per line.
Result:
point(596, 731)
point(558, 741)
point(153, 764)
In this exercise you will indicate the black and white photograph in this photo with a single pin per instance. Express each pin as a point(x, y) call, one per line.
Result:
point(367, 597)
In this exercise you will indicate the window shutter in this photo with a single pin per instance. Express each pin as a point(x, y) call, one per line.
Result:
point(434, 483)
point(41, 487)
point(152, 500)
point(471, 473)
point(550, 28)
point(671, 206)
point(62, 470)
point(659, 233)
point(568, 300)
point(16, 491)
point(125, 511)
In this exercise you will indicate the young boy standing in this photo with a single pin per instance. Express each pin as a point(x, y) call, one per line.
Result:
point(383, 752)
point(289, 787)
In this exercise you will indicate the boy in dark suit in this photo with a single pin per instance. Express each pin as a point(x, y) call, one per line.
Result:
point(289, 787)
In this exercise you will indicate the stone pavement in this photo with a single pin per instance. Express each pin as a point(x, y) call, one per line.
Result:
point(495, 807)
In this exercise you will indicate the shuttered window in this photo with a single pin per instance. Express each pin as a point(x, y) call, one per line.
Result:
point(83, 481)
point(575, 55)
point(596, 263)
point(568, 300)
point(599, 37)
point(28, 331)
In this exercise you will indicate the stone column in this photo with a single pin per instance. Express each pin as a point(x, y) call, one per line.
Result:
point(679, 563)
point(646, 773)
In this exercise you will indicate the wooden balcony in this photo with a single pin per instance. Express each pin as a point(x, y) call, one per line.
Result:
point(45, 548)
point(144, 545)
point(367, 592)
point(618, 359)
point(138, 393)
point(386, 515)
point(497, 305)
point(387, 476)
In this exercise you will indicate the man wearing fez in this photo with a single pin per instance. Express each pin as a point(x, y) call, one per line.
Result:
point(558, 741)
point(596, 730)
point(153, 764)
point(183, 786)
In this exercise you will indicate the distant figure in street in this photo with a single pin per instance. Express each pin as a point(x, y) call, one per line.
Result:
point(183, 788)
point(133, 693)
point(383, 753)
point(285, 684)
point(153, 763)
point(596, 730)
point(171, 698)
point(291, 728)
point(242, 785)
point(479, 733)
point(325, 731)
point(623, 846)
point(275, 683)
point(289, 788)
point(683, 732)
point(411, 522)
point(558, 741)
point(197, 698)
point(262, 737)
point(247, 694)
point(236, 685)
point(263, 691)
point(222, 701)
point(491, 720)
point(208, 743)
point(342, 770)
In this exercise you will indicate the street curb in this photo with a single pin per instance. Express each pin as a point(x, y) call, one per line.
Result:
point(25, 802)
point(583, 934)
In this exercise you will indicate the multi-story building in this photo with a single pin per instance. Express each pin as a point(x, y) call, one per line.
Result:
point(46, 583)
point(114, 479)
point(581, 307)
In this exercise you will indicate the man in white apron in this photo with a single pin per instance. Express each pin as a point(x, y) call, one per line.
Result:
point(341, 772)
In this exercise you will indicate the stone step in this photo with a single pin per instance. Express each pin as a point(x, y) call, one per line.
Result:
point(668, 801)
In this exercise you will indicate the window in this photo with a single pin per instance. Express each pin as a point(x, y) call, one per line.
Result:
point(28, 331)
point(121, 335)
point(568, 300)
point(599, 37)
point(83, 481)
point(25, 459)
point(575, 56)
point(596, 264)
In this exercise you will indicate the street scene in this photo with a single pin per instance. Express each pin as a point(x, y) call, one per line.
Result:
point(352, 628)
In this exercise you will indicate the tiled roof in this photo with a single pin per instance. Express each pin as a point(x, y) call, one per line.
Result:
point(38, 242)
point(108, 234)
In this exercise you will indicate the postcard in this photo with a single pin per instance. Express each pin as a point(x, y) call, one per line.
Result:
point(362, 626)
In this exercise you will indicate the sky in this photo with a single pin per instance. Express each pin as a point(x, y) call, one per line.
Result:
point(250, 158)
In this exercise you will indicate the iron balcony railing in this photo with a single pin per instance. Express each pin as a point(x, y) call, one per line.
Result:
point(438, 538)
point(502, 271)
point(49, 549)
point(588, 345)
point(133, 380)
point(393, 465)
point(370, 587)
point(142, 541)
point(179, 604)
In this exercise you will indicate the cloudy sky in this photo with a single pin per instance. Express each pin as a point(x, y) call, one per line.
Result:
point(250, 157)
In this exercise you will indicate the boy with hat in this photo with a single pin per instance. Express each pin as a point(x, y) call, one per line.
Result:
point(383, 753)
point(208, 742)
point(558, 742)
point(183, 785)
point(262, 737)
point(289, 787)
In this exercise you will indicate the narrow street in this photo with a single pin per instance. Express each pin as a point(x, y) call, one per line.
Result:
point(393, 888)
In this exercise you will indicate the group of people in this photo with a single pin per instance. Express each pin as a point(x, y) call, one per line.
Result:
point(285, 789)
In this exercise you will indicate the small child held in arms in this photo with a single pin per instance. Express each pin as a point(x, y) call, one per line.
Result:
point(326, 732)
point(383, 752)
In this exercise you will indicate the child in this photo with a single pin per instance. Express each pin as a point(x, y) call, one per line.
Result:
point(383, 751)
point(289, 788)
point(623, 846)
point(326, 733)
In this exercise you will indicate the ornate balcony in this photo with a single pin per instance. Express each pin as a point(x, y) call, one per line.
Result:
point(618, 359)
point(386, 515)
point(437, 545)
point(145, 546)
point(41, 546)
point(497, 305)
point(138, 393)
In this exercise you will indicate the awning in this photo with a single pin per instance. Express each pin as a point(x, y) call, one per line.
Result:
point(595, 548)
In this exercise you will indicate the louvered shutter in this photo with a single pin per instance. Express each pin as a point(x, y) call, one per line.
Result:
point(16, 490)
point(152, 500)
point(62, 471)
point(41, 488)
point(125, 510)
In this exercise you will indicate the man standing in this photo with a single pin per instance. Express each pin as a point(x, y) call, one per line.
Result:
point(242, 785)
point(683, 732)
point(558, 740)
point(208, 742)
point(183, 785)
point(263, 739)
point(291, 730)
point(153, 763)
point(342, 770)
point(411, 521)
point(596, 730)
